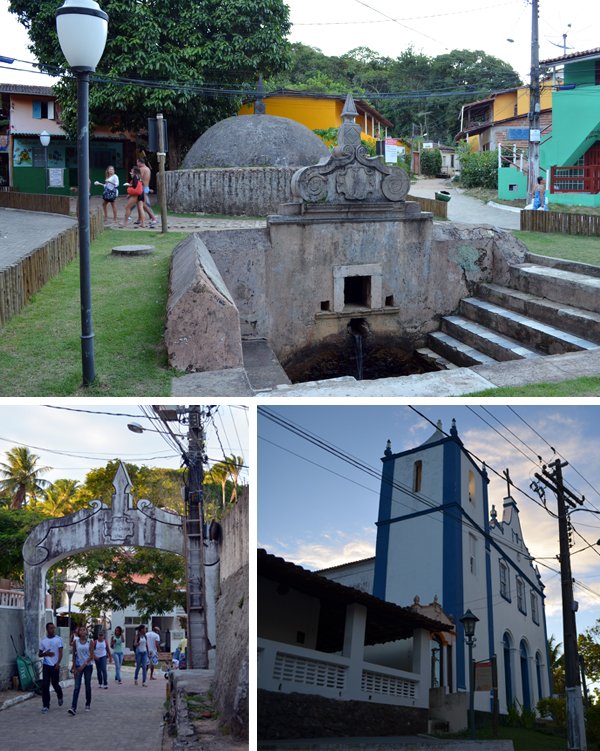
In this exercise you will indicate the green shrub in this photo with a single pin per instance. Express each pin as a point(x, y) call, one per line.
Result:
point(431, 162)
point(592, 723)
point(479, 169)
point(555, 707)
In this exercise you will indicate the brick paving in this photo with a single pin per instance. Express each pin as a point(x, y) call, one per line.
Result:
point(124, 717)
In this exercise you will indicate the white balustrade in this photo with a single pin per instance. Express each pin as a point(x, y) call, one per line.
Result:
point(11, 598)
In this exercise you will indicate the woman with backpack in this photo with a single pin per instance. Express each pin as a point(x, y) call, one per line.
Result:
point(135, 191)
point(110, 192)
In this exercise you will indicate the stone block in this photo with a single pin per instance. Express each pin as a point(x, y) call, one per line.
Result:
point(203, 323)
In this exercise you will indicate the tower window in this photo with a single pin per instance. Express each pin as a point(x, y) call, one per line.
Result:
point(417, 476)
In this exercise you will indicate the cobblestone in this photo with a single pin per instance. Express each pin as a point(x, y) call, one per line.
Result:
point(23, 231)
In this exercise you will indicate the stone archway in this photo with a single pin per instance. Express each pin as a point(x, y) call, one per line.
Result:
point(96, 527)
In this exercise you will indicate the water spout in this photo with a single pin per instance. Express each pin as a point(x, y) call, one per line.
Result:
point(358, 329)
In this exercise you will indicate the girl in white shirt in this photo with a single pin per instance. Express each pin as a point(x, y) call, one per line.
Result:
point(140, 644)
point(83, 661)
point(110, 192)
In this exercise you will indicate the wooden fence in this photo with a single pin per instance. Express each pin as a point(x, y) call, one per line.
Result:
point(437, 208)
point(35, 202)
point(20, 282)
point(560, 222)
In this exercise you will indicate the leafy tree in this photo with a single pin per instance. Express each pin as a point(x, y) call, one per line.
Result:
point(179, 42)
point(15, 525)
point(478, 169)
point(588, 644)
point(21, 477)
point(61, 498)
point(431, 162)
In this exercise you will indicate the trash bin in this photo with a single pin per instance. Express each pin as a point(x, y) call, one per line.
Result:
point(442, 195)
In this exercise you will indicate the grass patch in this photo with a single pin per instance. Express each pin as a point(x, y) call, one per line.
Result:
point(523, 739)
point(585, 386)
point(569, 247)
point(40, 348)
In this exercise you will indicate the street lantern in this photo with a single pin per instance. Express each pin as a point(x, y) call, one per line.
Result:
point(469, 621)
point(82, 28)
point(70, 586)
point(45, 141)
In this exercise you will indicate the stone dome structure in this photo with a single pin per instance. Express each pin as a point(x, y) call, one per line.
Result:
point(255, 141)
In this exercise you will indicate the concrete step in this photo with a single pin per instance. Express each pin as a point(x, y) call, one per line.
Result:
point(564, 265)
point(453, 350)
point(532, 333)
point(262, 366)
point(559, 285)
point(580, 322)
point(436, 359)
point(485, 340)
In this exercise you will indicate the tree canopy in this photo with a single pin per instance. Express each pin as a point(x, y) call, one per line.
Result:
point(21, 477)
point(182, 43)
point(418, 93)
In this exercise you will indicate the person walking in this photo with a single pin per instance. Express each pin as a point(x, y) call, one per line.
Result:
point(153, 639)
point(117, 644)
point(140, 644)
point(135, 191)
point(83, 659)
point(146, 174)
point(110, 192)
point(51, 650)
point(101, 655)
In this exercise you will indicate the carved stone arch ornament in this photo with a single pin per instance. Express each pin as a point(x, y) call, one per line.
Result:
point(99, 526)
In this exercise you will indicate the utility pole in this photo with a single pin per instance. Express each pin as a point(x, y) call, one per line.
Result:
point(160, 125)
point(194, 538)
point(534, 105)
point(576, 737)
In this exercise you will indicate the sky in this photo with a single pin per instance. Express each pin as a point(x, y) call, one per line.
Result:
point(73, 437)
point(388, 27)
point(318, 511)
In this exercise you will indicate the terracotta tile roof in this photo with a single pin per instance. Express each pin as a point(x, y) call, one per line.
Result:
point(17, 88)
point(573, 56)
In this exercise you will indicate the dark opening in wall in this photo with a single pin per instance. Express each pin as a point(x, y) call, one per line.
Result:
point(389, 301)
point(357, 291)
point(325, 305)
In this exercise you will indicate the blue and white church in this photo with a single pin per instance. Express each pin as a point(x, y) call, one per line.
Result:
point(439, 541)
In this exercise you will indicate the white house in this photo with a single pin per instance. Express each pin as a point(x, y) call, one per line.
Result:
point(342, 658)
point(438, 538)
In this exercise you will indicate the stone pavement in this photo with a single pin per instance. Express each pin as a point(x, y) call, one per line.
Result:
point(126, 717)
point(23, 231)
point(462, 208)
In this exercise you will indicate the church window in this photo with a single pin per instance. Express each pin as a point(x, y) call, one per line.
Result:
point(472, 486)
point(535, 615)
point(504, 581)
point(473, 554)
point(521, 602)
point(417, 476)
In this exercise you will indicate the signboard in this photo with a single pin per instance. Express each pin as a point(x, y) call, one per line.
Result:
point(517, 134)
point(484, 676)
point(56, 177)
point(535, 136)
point(391, 151)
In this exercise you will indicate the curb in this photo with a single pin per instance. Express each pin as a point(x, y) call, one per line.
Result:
point(502, 206)
point(31, 694)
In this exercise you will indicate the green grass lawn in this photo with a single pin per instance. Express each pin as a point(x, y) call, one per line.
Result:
point(40, 348)
point(569, 247)
point(588, 386)
point(523, 739)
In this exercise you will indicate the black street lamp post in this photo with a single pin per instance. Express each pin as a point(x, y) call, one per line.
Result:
point(82, 28)
point(45, 141)
point(469, 620)
point(70, 586)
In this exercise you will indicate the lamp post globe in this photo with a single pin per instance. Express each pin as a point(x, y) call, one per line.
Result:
point(82, 27)
point(45, 141)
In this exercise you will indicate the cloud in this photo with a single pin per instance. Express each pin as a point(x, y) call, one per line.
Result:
point(334, 549)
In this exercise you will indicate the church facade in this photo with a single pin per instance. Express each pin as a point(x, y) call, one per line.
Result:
point(439, 540)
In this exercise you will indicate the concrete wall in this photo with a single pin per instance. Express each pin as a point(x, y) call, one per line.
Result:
point(11, 624)
point(231, 675)
point(255, 191)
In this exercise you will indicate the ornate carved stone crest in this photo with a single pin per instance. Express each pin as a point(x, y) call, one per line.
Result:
point(349, 175)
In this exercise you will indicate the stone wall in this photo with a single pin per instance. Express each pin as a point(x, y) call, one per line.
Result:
point(11, 624)
point(309, 716)
point(254, 191)
point(231, 675)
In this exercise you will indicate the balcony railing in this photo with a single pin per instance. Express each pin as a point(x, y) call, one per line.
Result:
point(575, 179)
point(11, 598)
point(286, 668)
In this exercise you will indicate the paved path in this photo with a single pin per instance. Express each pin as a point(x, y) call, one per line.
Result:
point(122, 718)
point(462, 208)
point(23, 231)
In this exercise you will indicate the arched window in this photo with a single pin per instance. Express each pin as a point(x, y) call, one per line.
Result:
point(525, 682)
point(417, 476)
point(472, 486)
point(507, 670)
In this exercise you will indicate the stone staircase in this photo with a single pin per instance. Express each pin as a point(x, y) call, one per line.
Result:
point(550, 307)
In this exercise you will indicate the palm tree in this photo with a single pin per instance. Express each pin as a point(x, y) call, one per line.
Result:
point(60, 498)
point(21, 475)
point(218, 475)
point(234, 464)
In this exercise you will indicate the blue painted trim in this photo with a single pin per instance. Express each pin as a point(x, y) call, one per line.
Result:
point(383, 529)
point(419, 449)
point(488, 564)
point(452, 557)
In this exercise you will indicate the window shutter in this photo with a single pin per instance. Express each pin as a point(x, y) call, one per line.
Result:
point(36, 110)
point(50, 110)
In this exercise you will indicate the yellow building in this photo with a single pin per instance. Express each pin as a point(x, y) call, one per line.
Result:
point(321, 112)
